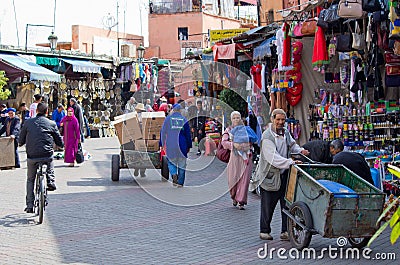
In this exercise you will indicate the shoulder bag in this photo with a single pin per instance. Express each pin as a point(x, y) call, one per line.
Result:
point(222, 153)
point(358, 38)
point(79, 154)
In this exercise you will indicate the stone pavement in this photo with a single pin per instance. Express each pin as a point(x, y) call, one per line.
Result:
point(92, 220)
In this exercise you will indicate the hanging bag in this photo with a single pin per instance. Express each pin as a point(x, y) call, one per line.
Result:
point(358, 38)
point(371, 5)
point(344, 41)
point(309, 27)
point(350, 9)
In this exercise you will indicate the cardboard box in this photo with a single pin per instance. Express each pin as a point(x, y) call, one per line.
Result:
point(152, 133)
point(7, 154)
point(127, 128)
point(152, 120)
point(147, 145)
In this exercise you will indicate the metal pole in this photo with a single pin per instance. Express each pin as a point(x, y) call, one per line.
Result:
point(26, 38)
point(258, 13)
point(118, 47)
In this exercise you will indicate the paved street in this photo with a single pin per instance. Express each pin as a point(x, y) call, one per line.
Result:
point(92, 220)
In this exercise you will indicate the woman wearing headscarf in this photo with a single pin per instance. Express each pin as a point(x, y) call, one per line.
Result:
point(71, 135)
point(240, 163)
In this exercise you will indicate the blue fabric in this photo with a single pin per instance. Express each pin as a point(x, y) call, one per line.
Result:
point(263, 50)
point(177, 166)
point(36, 71)
point(244, 134)
point(175, 130)
point(57, 116)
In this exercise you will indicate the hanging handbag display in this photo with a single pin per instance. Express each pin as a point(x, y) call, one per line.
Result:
point(343, 42)
point(350, 9)
point(358, 38)
point(371, 5)
point(297, 30)
point(331, 14)
point(309, 27)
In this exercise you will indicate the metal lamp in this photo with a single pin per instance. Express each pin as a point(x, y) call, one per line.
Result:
point(53, 41)
point(140, 51)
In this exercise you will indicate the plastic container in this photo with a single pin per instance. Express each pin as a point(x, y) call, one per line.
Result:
point(375, 177)
point(340, 190)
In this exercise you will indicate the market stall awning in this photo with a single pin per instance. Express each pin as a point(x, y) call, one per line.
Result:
point(82, 66)
point(12, 72)
point(36, 71)
point(47, 61)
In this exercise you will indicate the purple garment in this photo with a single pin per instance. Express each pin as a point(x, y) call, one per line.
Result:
point(71, 135)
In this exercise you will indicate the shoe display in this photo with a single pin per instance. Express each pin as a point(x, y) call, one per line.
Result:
point(285, 236)
point(51, 186)
point(266, 236)
point(136, 172)
point(28, 210)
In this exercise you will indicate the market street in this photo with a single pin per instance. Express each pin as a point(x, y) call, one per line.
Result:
point(92, 220)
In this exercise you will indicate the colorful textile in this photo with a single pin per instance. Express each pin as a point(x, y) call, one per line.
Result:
point(224, 51)
point(287, 47)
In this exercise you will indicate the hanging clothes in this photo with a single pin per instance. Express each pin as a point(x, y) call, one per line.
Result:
point(287, 47)
point(320, 54)
point(255, 72)
point(224, 51)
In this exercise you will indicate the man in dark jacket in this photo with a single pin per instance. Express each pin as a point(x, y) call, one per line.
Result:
point(199, 124)
point(319, 151)
point(11, 128)
point(39, 134)
point(352, 160)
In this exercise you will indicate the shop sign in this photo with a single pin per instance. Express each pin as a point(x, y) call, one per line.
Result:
point(220, 34)
point(191, 44)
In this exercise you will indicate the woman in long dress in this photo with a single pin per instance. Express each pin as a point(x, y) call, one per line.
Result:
point(71, 135)
point(239, 166)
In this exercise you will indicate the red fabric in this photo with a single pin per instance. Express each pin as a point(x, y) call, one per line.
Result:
point(255, 70)
point(224, 51)
point(320, 54)
point(287, 47)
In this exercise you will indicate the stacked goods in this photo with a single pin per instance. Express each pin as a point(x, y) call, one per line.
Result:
point(151, 127)
point(127, 128)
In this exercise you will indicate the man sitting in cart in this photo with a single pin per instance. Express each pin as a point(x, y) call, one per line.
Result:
point(352, 160)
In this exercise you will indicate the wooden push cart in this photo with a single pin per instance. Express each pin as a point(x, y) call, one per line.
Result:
point(315, 209)
point(133, 159)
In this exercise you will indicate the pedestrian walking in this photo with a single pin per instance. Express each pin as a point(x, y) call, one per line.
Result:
point(240, 162)
point(12, 127)
point(276, 146)
point(176, 140)
point(198, 124)
point(78, 112)
point(71, 133)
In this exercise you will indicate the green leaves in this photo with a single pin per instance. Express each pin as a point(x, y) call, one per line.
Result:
point(4, 94)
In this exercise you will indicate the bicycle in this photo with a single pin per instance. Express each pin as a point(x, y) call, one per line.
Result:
point(40, 201)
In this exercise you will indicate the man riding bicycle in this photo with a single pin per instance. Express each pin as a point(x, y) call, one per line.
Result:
point(39, 134)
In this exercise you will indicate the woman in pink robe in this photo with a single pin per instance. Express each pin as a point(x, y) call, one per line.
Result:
point(71, 135)
point(238, 169)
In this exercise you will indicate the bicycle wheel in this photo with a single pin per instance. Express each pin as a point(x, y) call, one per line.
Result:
point(41, 198)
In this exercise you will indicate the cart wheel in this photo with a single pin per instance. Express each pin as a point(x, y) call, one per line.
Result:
point(115, 167)
point(164, 169)
point(359, 242)
point(300, 238)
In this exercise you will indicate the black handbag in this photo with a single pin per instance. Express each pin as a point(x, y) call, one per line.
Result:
point(79, 157)
point(344, 42)
point(371, 5)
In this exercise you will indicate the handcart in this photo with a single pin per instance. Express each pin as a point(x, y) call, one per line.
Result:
point(134, 159)
point(313, 208)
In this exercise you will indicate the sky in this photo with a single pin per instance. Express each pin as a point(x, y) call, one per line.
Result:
point(95, 13)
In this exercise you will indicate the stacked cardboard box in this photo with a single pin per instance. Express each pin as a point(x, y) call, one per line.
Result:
point(127, 128)
point(151, 127)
